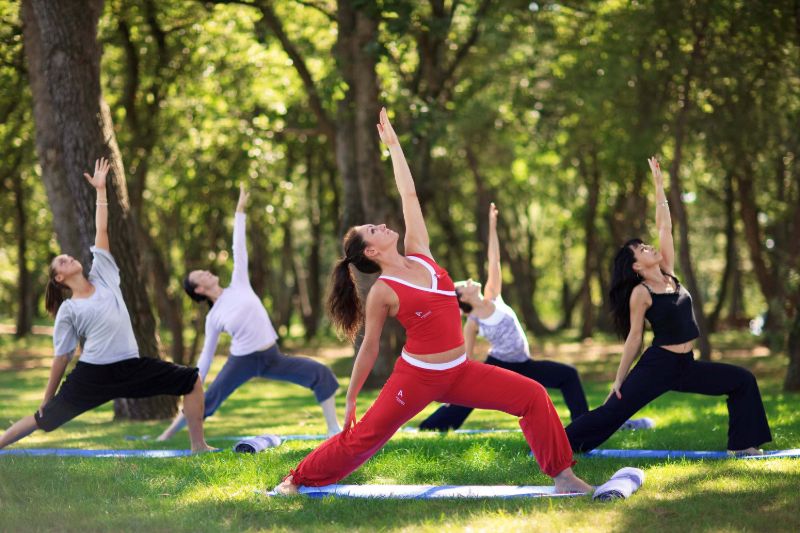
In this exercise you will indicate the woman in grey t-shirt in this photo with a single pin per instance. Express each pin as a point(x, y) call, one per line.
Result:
point(109, 365)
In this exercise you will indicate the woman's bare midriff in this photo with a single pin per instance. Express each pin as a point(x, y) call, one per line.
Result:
point(679, 348)
point(442, 357)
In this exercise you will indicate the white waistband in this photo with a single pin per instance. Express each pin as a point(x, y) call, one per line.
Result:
point(433, 366)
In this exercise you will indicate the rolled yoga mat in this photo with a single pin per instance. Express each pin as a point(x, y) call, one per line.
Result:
point(628, 480)
point(688, 454)
point(622, 484)
point(72, 452)
point(635, 424)
point(257, 444)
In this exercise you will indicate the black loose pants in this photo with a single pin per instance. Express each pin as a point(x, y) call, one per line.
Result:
point(659, 371)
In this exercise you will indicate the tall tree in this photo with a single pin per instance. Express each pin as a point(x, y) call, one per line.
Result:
point(73, 127)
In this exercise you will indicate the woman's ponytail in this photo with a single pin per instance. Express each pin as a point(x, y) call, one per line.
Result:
point(55, 293)
point(344, 304)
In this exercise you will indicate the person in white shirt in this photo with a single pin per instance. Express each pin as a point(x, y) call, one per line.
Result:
point(109, 365)
point(238, 311)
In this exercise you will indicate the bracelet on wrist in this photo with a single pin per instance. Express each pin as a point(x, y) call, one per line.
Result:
point(102, 203)
point(664, 203)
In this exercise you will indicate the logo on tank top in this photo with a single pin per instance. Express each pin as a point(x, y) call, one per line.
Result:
point(399, 397)
point(422, 315)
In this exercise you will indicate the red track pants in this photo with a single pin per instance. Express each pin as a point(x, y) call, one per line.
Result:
point(410, 389)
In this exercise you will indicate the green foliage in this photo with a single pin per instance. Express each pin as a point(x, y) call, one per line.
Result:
point(519, 103)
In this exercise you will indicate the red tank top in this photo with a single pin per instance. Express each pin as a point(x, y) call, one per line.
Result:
point(430, 316)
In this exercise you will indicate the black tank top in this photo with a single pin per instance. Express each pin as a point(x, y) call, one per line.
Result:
point(672, 316)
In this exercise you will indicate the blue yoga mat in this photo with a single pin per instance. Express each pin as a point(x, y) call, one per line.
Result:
point(72, 452)
point(240, 437)
point(687, 454)
point(409, 429)
point(623, 484)
point(427, 492)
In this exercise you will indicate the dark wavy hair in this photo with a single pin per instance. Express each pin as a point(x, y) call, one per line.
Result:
point(54, 293)
point(464, 306)
point(344, 305)
point(190, 289)
point(623, 280)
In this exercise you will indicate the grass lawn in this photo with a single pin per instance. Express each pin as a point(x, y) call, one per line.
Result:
point(218, 491)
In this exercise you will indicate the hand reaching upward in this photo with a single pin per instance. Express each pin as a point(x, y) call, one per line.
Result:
point(386, 131)
point(243, 197)
point(655, 168)
point(492, 215)
point(98, 181)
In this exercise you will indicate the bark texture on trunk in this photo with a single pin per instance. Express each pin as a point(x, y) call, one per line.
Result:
point(358, 154)
point(73, 128)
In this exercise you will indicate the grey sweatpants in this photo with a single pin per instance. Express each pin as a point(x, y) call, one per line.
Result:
point(272, 364)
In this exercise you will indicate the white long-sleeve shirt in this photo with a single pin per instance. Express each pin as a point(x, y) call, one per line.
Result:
point(238, 311)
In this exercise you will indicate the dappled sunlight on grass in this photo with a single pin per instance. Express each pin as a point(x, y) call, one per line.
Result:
point(219, 491)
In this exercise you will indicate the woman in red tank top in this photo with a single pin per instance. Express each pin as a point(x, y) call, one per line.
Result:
point(433, 365)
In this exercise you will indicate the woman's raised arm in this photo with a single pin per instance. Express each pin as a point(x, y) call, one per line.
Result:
point(240, 270)
point(494, 281)
point(416, 239)
point(663, 220)
point(98, 181)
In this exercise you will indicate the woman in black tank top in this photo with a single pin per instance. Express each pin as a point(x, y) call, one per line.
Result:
point(643, 286)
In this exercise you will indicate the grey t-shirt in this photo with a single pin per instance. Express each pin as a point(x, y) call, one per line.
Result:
point(102, 319)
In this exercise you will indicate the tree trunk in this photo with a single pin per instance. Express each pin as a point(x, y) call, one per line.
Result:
point(521, 263)
point(168, 305)
point(358, 153)
point(592, 180)
point(568, 299)
point(792, 381)
point(676, 189)
point(282, 287)
point(687, 268)
point(730, 255)
point(25, 293)
point(752, 235)
point(73, 128)
point(483, 195)
point(311, 278)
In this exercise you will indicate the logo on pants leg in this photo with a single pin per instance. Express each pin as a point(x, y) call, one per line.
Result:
point(399, 397)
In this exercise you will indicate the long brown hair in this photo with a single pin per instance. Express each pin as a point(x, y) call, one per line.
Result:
point(55, 293)
point(344, 305)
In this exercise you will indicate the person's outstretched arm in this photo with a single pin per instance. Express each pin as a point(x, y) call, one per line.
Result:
point(376, 311)
point(98, 181)
point(240, 270)
point(416, 239)
point(663, 220)
point(212, 332)
point(639, 302)
point(57, 369)
point(494, 281)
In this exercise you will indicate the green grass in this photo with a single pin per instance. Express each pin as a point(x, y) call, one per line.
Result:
point(218, 491)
